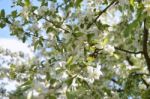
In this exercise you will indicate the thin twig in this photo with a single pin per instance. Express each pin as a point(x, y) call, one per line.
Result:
point(57, 26)
point(127, 51)
point(101, 12)
point(30, 34)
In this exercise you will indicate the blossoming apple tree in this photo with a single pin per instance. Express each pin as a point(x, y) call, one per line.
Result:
point(83, 48)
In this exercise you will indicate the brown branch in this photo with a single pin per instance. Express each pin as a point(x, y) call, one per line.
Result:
point(101, 12)
point(145, 82)
point(54, 24)
point(145, 49)
point(57, 26)
point(28, 33)
point(127, 51)
point(119, 89)
point(33, 35)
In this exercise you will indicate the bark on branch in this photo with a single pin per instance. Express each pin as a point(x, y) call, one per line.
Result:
point(145, 49)
point(127, 51)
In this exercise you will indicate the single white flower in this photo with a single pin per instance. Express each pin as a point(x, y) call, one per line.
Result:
point(51, 36)
point(40, 87)
point(25, 13)
point(74, 84)
point(64, 76)
point(34, 28)
point(29, 95)
point(62, 63)
point(109, 48)
point(42, 10)
point(36, 12)
point(94, 73)
point(138, 55)
point(142, 86)
point(124, 2)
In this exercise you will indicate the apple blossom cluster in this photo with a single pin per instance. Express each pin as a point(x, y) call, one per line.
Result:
point(80, 46)
point(93, 73)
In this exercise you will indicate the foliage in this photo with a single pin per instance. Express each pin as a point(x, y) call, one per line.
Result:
point(94, 49)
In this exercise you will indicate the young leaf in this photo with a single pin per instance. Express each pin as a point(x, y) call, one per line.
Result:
point(2, 13)
point(14, 13)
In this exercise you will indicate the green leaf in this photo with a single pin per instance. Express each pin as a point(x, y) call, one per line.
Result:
point(36, 44)
point(146, 94)
point(48, 76)
point(14, 13)
point(24, 38)
point(69, 26)
point(2, 13)
point(69, 81)
point(25, 88)
point(41, 41)
point(81, 26)
point(89, 36)
point(44, 3)
point(52, 97)
point(132, 2)
point(70, 95)
point(20, 2)
point(70, 60)
point(131, 27)
point(2, 25)
point(105, 2)
point(78, 2)
point(101, 26)
point(27, 83)
point(27, 3)
point(52, 81)
point(50, 29)
point(53, 0)
point(78, 34)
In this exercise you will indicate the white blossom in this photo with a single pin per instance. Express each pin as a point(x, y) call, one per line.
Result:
point(64, 76)
point(34, 28)
point(25, 13)
point(142, 86)
point(40, 86)
point(52, 6)
point(62, 96)
point(124, 2)
point(94, 73)
point(61, 63)
point(138, 55)
point(42, 10)
point(109, 48)
point(74, 84)
point(51, 36)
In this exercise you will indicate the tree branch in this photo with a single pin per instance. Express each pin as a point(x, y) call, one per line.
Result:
point(117, 89)
point(144, 81)
point(145, 49)
point(57, 26)
point(33, 35)
point(101, 12)
point(54, 24)
point(126, 51)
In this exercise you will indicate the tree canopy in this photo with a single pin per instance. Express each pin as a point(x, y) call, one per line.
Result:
point(84, 49)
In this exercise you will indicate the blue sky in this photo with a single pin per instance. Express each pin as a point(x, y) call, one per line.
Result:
point(5, 4)
point(7, 41)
